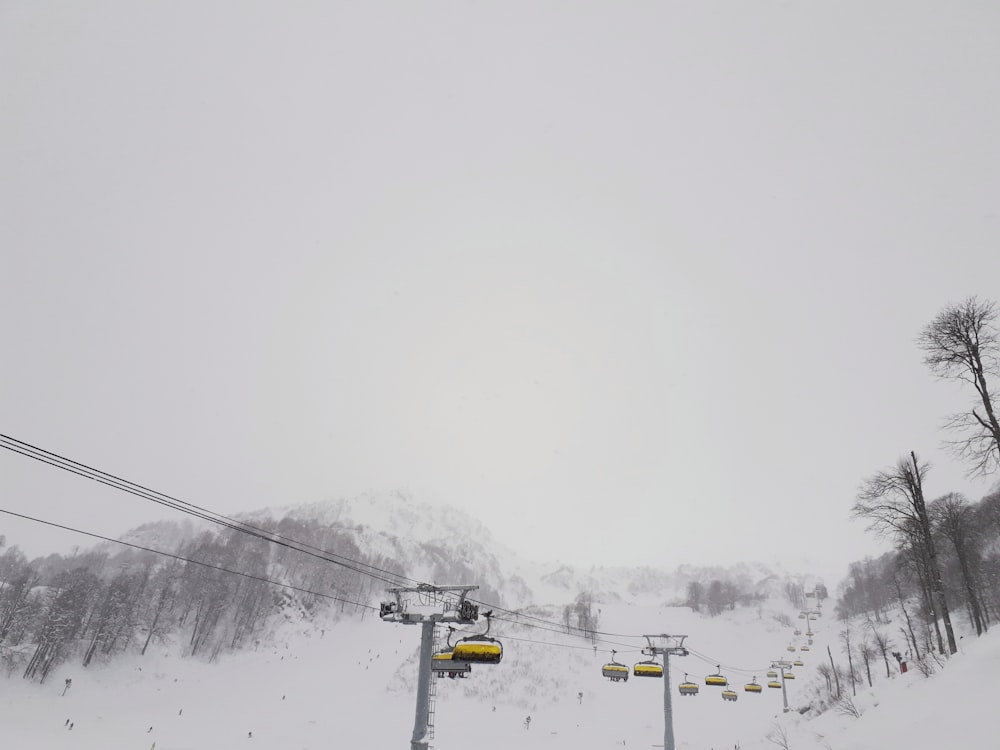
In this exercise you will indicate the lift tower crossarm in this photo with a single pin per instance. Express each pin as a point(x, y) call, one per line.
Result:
point(434, 606)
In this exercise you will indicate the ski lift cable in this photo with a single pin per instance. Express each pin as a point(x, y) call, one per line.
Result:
point(728, 667)
point(582, 630)
point(560, 630)
point(138, 490)
point(585, 632)
point(111, 480)
point(61, 462)
point(287, 585)
point(88, 472)
point(547, 643)
point(143, 492)
point(623, 648)
point(626, 650)
point(181, 558)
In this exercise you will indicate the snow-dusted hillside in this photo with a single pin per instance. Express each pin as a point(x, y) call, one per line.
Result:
point(446, 545)
point(343, 678)
point(350, 684)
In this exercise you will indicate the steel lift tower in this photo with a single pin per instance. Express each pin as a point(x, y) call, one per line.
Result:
point(782, 665)
point(427, 605)
point(666, 646)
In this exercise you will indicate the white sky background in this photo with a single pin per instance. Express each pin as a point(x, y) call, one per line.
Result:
point(635, 282)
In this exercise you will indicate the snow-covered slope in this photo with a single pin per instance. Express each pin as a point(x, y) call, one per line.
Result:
point(957, 705)
point(350, 684)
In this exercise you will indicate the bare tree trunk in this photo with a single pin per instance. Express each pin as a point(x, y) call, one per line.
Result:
point(906, 615)
point(866, 656)
point(983, 608)
point(970, 589)
point(922, 565)
point(937, 583)
point(836, 674)
point(882, 643)
point(850, 662)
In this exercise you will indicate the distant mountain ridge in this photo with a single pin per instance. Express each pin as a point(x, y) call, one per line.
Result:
point(446, 545)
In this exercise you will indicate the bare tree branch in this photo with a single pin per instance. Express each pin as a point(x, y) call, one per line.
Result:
point(893, 502)
point(963, 343)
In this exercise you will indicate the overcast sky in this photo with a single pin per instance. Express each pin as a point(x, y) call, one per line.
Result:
point(631, 282)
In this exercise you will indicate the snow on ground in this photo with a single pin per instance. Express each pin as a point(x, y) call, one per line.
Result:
point(352, 686)
point(957, 705)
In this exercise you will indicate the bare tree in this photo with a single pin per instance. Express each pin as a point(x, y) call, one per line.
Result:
point(906, 615)
point(914, 555)
point(867, 652)
point(954, 517)
point(695, 596)
point(778, 736)
point(883, 645)
point(847, 707)
point(833, 668)
point(963, 343)
point(845, 638)
point(893, 502)
point(827, 674)
point(989, 512)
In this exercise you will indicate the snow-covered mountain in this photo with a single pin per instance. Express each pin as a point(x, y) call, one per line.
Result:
point(443, 545)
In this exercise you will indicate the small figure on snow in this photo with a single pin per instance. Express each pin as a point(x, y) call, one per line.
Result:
point(527, 722)
point(149, 730)
point(67, 723)
point(249, 735)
